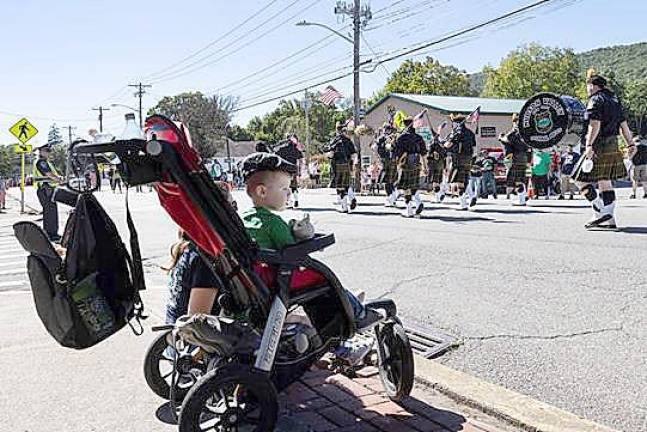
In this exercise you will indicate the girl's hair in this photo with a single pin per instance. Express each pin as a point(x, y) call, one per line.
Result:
point(177, 249)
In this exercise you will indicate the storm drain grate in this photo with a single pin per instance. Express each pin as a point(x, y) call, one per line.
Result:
point(428, 343)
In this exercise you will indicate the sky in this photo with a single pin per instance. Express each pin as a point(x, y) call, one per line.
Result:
point(61, 59)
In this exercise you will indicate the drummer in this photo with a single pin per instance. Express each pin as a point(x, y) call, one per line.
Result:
point(606, 121)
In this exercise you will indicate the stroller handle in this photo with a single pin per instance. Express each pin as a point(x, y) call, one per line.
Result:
point(118, 146)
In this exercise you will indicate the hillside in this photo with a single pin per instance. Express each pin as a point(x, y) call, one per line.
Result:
point(628, 62)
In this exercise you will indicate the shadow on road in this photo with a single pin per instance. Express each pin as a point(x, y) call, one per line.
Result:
point(633, 230)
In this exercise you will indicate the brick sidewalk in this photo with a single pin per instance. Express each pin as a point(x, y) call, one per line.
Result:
point(323, 401)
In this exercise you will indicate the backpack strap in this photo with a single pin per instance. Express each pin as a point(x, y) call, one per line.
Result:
point(137, 271)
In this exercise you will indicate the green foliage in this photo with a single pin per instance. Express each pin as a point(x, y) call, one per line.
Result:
point(532, 69)
point(206, 117)
point(59, 157)
point(54, 135)
point(636, 103)
point(7, 160)
point(628, 62)
point(289, 117)
point(239, 133)
point(429, 77)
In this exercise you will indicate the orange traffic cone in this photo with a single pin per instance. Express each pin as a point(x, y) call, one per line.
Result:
point(531, 190)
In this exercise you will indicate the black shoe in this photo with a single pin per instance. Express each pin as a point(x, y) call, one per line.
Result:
point(495, 196)
point(296, 204)
point(632, 196)
point(596, 223)
point(353, 204)
point(420, 208)
point(570, 197)
point(644, 197)
point(561, 197)
point(473, 202)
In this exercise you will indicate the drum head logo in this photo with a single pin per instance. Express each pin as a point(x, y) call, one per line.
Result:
point(543, 122)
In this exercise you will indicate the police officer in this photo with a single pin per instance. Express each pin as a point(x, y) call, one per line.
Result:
point(606, 120)
point(516, 151)
point(461, 143)
point(410, 150)
point(343, 155)
point(45, 180)
point(384, 147)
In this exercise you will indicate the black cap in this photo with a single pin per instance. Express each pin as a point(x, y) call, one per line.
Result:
point(46, 146)
point(257, 162)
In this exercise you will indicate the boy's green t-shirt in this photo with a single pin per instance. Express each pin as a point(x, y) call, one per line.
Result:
point(268, 229)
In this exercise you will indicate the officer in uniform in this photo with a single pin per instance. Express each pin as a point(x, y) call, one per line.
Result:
point(606, 120)
point(45, 180)
point(410, 150)
point(343, 155)
point(518, 152)
point(461, 143)
point(436, 158)
point(389, 176)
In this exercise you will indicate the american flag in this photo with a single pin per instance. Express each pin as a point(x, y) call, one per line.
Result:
point(329, 96)
point(419, 121)
point(474, 117)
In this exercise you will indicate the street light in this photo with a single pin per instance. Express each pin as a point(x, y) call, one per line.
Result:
point(307, 23)
point(130, 108)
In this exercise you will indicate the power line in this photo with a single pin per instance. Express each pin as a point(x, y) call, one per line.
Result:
point(190, 69)
point(214, 42)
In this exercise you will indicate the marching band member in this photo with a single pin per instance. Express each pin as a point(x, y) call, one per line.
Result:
point(410, 150)
point(342, 153)
point(436, 157)
point(606, 120)
point(517, 150)
point(389, 176)
point(461, 143)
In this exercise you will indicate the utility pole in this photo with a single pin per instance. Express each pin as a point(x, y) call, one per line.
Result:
point(101, 110)
point(69, 131)
point(361, 16)
point(139, 93)
point(306, 108)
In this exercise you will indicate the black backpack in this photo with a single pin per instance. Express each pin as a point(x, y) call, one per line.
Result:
point(93, 291)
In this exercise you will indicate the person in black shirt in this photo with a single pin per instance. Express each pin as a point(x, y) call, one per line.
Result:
point(410, 150)
point(343, 154)
point(461, 143)
point(606, 120)
point(639, 170)
point(389, 175)
point(436, 158)
point(289, 151)
point(45, 180)
point(518, 152)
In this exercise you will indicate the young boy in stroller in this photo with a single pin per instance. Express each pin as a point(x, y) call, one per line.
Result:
point(235, 378)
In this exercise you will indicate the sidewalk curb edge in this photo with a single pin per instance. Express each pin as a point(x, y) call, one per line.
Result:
point(519, 410)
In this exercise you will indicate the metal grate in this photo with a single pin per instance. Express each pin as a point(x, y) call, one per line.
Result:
point(428, 343)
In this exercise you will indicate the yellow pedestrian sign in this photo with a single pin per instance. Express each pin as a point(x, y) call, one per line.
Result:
point(23, 130)
point(23, 148)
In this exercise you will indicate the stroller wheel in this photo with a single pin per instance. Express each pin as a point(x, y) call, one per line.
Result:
point(234, 397)
point(395, 360)
point(158, 369)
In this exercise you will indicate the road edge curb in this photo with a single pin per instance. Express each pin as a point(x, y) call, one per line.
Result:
point(515, 408)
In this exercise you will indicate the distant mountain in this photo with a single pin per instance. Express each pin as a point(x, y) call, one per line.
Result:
point(628, 62)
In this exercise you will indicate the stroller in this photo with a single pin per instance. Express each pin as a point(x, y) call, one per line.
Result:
point(226, 370)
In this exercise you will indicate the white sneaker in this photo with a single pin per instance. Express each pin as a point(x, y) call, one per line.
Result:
point(344, 205)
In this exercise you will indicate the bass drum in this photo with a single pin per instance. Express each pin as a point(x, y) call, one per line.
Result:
point(547, 118)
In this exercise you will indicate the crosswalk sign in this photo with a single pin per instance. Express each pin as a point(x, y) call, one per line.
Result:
point(23, 148)
point(23, 130)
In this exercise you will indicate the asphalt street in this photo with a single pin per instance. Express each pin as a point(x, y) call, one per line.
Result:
point(539, 305)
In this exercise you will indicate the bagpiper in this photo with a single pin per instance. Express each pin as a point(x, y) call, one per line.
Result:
point(343, 155)
point(410, 151)
point(516, 151)
point(461, 143)
point(384, 147)
point(606, 120)
point(436, 158)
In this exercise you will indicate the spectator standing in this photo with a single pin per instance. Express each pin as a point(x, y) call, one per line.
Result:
point(567, 164)
point(540, 169)
point(488, 182)
point(3, 193)
point(639, 172)
point(374, 174)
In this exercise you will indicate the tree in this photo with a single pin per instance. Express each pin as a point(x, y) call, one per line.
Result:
point(54, 135)
point(636, 103)
point(239, 133)
point(206, 117)
point(7, 157)
point(532, 69)
point(428, 77)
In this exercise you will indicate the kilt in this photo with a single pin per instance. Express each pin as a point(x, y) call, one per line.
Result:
point(343, 177)
point(389, 171)
point(608, 163)
point(409, 176)
point(436, 169)
point(517, 172)
point(462, 165)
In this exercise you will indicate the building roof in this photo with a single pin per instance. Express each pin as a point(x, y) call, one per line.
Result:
point(458, 104)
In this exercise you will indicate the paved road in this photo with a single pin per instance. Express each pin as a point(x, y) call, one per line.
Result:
point(540, 305)
point(48, 388)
